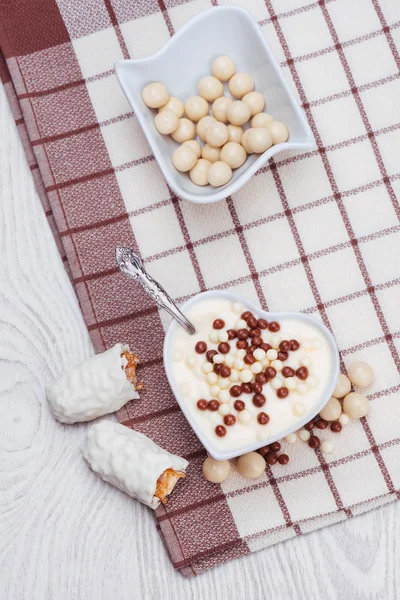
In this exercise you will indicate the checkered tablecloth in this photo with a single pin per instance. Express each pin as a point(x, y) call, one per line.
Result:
point(317, 232)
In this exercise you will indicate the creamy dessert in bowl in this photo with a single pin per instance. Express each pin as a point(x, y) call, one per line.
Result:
point(247, 378)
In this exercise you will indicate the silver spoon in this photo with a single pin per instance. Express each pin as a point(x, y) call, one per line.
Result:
point(130, 264)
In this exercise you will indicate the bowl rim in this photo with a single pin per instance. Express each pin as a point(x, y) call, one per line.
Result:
point(218, 453)
point(233, 186)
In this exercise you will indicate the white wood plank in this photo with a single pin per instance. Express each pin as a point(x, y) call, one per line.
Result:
point(64, 534)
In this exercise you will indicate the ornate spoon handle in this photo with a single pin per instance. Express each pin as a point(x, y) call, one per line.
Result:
point(130, 264)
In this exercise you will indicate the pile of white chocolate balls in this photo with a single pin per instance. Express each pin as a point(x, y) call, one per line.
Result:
point(227, 144)
point(335, 414)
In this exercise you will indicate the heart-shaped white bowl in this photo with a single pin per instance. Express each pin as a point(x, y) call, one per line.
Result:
point(182, 62)
point(216, 450)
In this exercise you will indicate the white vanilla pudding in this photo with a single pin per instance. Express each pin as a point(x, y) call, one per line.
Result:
point(246, 378)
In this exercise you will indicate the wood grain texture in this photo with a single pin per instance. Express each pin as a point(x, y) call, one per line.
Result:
point(66, 535)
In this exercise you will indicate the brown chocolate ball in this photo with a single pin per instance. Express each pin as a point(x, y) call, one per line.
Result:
point(217, 368)
point(283, 355)
point(275, 447)
point(294, 345)
point(261, 378)
point(254, 332)
point(213, 405)
point(282, 392)
point(283, 459)
point(229, 420)
point(239, 405)
point(270, 372)
point(288, 372)
point(202, 404)
point(220, 430)
point(251, 322)
point(225, 371)
point(250, 349)
point(284, 346)
point(263, 451)
point(264, 346)
point(224, 347)
point(231, 334)
point(271, 458)
point(262, 324)
point(219, 324)
point(235, 391)
point(262, 418)
point(242, 334)
point(314, 442)
point(200, 347)
point(259, 400)
point(246, 315)
point(321, 424)
point(257, 387)
point(249, 359)
point(302, 373)
point(257, 340)
point(274, 326)
point(310, 425)
point(210, 355)
point(241, 344)
point(336, 427)
point(246, 387)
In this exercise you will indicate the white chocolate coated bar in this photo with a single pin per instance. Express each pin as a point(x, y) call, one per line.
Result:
point(94, 388)
point(132, 462)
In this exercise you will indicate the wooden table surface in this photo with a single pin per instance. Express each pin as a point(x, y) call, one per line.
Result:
point(64, 534)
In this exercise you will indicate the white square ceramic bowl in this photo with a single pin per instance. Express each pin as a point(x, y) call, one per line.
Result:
point(213, 449)
point(182, 62)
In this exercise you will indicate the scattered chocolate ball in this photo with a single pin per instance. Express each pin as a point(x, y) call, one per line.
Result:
point(274, 326)
point(262, 324)
point(246, 315)
point(274, 447)
point(224, 347)
point(294, 345)
point(360, 374)
point(265, 347)
point(261, 378)
point(239, 405)
point(332, 410)
point(246, 387)
point(200, 347)
point(336, 427)
point(251, 465)
point(213, 405)
point(219, 324)
point(229, 420)
point(251, 322)
point(263, 451)
point(216, 471)
point(235, 391)
point(202, 404)
point(257, 340)
point(262, 418)
point(249, 359)
point(270, 372)
point(288, 372)
point(314, 442)
point(220, 430)
point(231, 334)
point(282, 392)
point(283, 459)
point(321, 424)
point(310, 425)
point(254, 332)
point(210, 355)
point(225, 371)
point(284, 346)
point(302, 373)
point(256, 387)
point(241, 344)
point(283, 355)
point(259, 400)
point(355, 405)
point(242, 334)
point(271, 458)
point(250, 349)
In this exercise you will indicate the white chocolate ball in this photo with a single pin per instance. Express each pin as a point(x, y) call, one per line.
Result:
point(235, 133)
point(251, 465)
point(301, 389)
point(246, 375)
point(206, 367)
point(214, 390)
point(212, 378)
point(223, 68)
point(279, 132)
point(196, 108)
point(220, 107)
point(244, 416)
point(304, 435)
point(216, 471)
point(219, 174)
point(305, 361)
point(276, 383)
point(312, 381)
point(255, 101)
point(213, 337)
point(256, 368)
point(327, 447)
point(240, 85)
point(332, 410)
point(210, 88)
point(291, 438)
point(174, 104)
point(184, 158)
point(290, 383)
point(217, 134)
point(259, 140)
point(261, 120)
point(166, 121)
point(224, 409)
point(355, 405)
point(199, 173)
point(234, 155)
point(360, 373)
point(155, 95)
point(272, 354)
point(229, 358)
point(202, 126)
point(344, 420)
point(277, 364)
point(244, 141)
point(210, 153)
point(237, 307)
point(186, 130)
point(194, 145)
point(343, 386)
point(299, 409)
point(259, 353)
point(224, 396)
point(238, 113)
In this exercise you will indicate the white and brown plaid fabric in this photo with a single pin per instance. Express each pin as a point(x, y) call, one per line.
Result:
point(317, 232)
